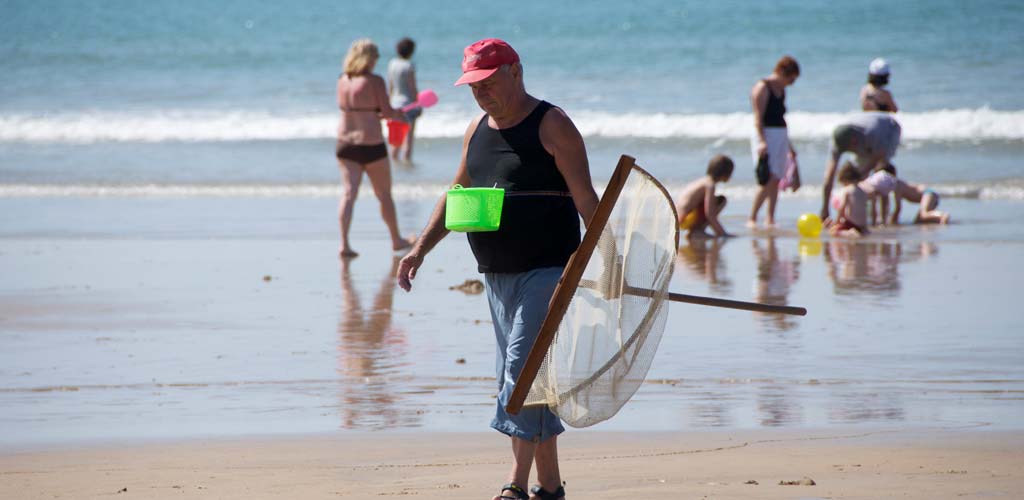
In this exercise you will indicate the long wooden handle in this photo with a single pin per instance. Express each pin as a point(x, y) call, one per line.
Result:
point(567, 285)
point(737, 304)
point(708, 301)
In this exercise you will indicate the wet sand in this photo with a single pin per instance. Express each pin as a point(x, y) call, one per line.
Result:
point(216, 347)
point(843, 463)
point(129, 319)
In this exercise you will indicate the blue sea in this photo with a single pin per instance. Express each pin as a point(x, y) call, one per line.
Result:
point(190, 94)
point(168, 234)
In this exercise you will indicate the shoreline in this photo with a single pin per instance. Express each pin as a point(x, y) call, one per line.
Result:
point(844, 463)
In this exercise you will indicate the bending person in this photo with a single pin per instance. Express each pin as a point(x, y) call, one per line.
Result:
point(871, 137)
point(534, 151)
point(927, 198)
point(363, 101)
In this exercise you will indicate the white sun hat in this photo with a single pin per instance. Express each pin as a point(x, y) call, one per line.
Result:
point(878, 67)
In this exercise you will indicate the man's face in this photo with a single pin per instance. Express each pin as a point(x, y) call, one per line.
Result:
point(494, 93)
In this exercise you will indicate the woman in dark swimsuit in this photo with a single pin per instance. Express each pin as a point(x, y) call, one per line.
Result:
point(363, 100)
point(874, 96)
point(770, 145)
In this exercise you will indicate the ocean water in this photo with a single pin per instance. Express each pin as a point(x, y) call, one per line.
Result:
point(158, 159)
point(186, 95)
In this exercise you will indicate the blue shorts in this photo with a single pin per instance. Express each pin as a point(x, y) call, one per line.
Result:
point(519, 302)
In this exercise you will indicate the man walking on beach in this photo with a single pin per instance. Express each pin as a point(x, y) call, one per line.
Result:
point(872, 136)
point(534, 151)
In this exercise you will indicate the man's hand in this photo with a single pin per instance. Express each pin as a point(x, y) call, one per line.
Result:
point(407, 268)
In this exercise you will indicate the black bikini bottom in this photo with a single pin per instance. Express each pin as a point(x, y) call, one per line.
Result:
point(361, 153)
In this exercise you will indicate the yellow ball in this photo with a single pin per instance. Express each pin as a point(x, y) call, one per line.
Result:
point(809, 225)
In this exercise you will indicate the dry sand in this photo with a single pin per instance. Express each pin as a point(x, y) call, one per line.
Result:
point(918, 464)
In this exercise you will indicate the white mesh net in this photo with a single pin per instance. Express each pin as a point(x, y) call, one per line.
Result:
point(607, 339)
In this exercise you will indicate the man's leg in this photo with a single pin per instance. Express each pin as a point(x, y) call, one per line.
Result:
point(522, 461)
point(518, 305)
point(546, 456)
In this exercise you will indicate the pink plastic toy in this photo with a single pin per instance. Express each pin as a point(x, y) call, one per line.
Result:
point(425, 99)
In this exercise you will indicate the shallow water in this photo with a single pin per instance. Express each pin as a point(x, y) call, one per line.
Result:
point(128, 319)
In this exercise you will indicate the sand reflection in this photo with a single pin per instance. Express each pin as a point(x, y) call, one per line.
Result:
point(775, 276)
point(871, 267)
point(702, 259)
point(779, 405)
point(864, 267)
point(371, 354)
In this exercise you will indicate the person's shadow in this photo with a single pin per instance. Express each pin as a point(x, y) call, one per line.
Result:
point(370, 352)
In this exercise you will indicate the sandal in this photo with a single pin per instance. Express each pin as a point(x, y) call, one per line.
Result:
point(542, 494)
point(520, 494)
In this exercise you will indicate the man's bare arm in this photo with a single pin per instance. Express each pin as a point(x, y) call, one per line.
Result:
point(435, 231)
point(562, 140)
point(826, 187)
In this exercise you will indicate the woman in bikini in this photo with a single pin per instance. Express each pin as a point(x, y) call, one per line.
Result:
point(363, 100)
point(874, 96)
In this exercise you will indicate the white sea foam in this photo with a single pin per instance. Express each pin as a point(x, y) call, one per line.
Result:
point(982, 124)
point(1002, 190)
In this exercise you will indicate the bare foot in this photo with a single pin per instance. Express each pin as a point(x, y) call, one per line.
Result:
point(944, 219)
point(404, 244)
point(751, 223)
point(845, 233)
point(770, 224)
point(348, 253)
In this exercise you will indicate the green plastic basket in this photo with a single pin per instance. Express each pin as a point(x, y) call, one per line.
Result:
point(470, 210)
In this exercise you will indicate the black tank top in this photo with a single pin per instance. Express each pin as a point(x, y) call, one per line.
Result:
point(540, 226)
point(774, 113)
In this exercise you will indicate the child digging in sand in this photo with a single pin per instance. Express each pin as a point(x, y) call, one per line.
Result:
point(698, 207)
point(851, 205)
point(920, 194)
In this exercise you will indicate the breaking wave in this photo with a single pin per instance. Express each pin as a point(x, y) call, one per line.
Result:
point(982, 124)
point(1002, 190)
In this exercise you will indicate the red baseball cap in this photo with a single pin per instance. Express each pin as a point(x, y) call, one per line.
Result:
point(481, 59)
